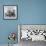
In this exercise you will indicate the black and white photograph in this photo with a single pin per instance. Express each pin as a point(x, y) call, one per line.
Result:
point(10, 12)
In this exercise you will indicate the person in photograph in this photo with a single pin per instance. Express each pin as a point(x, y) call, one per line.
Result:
point(10, 13)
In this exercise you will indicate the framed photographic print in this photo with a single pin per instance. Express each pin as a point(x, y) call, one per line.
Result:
point(10, 11)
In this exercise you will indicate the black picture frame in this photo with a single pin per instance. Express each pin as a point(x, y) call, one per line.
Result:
point(12, 16)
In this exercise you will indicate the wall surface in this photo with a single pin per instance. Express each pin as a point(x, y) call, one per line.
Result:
point(29, 12)
point(7, 26)
point(33, 12)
